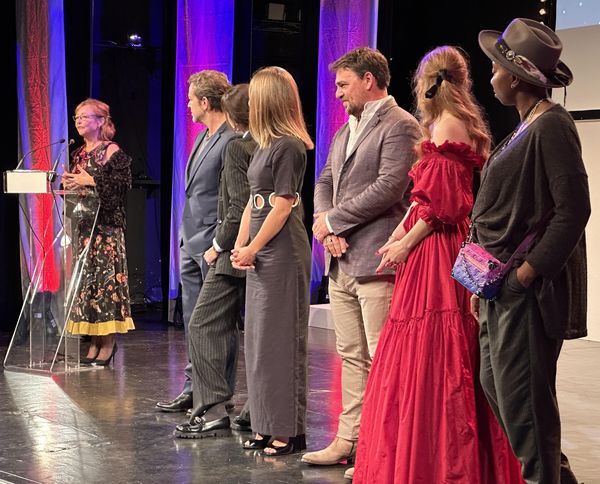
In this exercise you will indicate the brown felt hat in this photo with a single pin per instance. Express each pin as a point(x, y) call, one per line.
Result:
point(530, 51)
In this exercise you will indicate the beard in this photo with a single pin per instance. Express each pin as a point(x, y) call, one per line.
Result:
point(353, 109)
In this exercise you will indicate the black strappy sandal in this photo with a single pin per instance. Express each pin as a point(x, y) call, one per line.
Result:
point(295, 444)
point(257, 444)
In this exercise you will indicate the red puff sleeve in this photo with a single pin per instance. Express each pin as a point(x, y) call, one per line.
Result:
point(443, 182)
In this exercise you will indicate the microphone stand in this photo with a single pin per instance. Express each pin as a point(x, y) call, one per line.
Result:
point(52, 173)
point(62, 140)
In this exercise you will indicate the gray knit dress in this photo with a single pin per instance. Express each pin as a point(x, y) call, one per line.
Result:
point(277, 297)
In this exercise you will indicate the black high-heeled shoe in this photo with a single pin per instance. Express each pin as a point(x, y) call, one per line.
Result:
point(257, 444)
point(294, 444)
point(107, 361)
point(87, 361)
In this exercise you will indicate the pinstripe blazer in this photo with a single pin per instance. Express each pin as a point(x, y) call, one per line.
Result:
point(234, 192)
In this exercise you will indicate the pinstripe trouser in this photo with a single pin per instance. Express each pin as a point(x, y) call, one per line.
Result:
point(214, 338)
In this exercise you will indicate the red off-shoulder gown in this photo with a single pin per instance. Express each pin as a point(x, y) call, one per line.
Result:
point(425, 418)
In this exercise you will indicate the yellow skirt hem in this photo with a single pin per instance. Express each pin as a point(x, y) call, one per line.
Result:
point(103, 328)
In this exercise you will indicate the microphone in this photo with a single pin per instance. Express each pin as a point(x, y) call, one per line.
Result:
point(52, 173)
point(62, 140)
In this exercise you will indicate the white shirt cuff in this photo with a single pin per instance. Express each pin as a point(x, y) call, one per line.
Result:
point(216, 246)
point(328, 224)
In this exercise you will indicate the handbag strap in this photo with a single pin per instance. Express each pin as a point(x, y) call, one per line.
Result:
point(470, 236)
point(527, 242)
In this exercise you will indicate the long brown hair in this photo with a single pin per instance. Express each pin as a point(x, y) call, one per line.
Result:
point(275, 108)
point(453, 95)
point(101, 110)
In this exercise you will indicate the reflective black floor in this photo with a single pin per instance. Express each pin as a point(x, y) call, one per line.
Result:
point(101, 426)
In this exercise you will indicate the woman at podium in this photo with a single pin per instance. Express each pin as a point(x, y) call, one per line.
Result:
point(101, 173)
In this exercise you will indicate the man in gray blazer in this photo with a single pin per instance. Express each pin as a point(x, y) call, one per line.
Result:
point(200, 211)
point(360, 197)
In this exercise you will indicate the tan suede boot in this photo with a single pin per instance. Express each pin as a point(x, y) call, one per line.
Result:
point(349, 474)
point(338, 451)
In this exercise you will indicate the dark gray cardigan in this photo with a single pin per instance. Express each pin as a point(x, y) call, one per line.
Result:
point(541, 170)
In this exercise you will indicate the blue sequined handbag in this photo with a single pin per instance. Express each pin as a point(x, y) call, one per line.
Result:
point(480, 272)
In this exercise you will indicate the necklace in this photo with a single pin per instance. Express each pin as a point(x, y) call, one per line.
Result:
point(528, 117)
point(93, 147)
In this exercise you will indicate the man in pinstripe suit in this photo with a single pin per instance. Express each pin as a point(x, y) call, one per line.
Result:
point(213, 325)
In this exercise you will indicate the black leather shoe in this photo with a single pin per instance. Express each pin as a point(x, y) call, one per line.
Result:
point(228, 407)
point(201, 429)
point(180, 404)
point(241, 424)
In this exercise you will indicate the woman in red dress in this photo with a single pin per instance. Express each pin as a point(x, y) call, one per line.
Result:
point(425, 418)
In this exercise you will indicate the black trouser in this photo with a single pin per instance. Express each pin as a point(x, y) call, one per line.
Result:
point(518, 375)
point(214, 338)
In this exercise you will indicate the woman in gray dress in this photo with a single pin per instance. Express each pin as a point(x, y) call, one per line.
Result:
point(273, 246)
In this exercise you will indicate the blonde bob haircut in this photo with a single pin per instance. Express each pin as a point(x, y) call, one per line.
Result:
point(101, 111)
point(275, 108)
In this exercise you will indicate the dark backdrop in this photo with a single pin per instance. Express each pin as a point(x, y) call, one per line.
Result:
point(138, 84)
point(290, 42)
point(407, 30)
point(10, 287)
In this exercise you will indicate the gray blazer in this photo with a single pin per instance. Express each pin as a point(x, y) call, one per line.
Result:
point(201, 190)
point(366, 193)
point(234, 192)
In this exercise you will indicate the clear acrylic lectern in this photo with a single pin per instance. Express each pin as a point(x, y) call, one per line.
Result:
point(56, 228)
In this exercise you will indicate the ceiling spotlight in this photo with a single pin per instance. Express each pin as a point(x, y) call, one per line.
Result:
point(135, 41)
point(542, 11)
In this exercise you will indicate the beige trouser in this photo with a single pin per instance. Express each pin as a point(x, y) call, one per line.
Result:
point(359, 307)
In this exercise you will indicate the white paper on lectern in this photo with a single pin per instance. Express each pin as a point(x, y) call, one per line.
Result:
point(26, 181)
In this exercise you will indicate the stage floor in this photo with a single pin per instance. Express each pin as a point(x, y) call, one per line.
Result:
point(101, 426)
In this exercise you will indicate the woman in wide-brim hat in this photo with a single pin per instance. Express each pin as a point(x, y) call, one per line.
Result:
point(529, 50)
point(534, 179)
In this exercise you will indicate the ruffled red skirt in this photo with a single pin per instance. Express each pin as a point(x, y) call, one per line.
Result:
point(425, 418)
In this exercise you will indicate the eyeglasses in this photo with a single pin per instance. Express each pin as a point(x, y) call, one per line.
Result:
point(85, 117)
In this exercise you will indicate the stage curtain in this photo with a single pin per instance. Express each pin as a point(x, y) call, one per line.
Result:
point(42, 119)
point(204, 41)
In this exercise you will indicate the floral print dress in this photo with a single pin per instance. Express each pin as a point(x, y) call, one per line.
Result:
point(102, 304)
